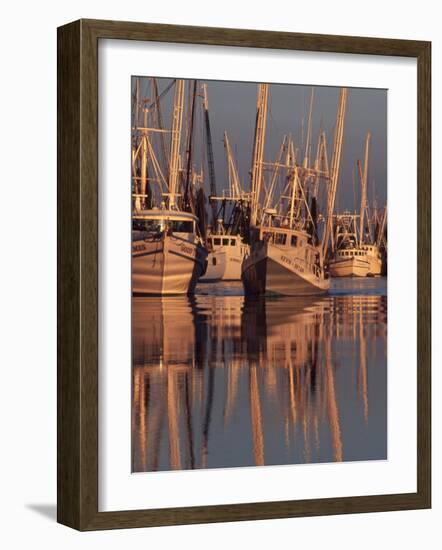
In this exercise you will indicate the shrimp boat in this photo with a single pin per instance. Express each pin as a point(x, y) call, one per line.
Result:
point(355, 254)
point(168, 252)
point(349, 263)
point(226, 254)
point(283, 261)
point(356, 261)
point(225, 242)
point(286, 255)
point(349, 259)
point(168, 256)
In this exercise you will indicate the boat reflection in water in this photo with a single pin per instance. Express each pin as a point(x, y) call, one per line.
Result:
point(225, 381)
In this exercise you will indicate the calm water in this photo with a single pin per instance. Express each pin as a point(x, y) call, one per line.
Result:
point(223, 381)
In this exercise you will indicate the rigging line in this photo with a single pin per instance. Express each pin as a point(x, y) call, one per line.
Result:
point(190, 142)
point(164, 92)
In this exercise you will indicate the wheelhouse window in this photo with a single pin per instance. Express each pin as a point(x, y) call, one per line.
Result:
point(181, 226)
point(225, 242)
point(157, 226)
point(280, 238)
point(232, 242)
point(294, 240)
point(151, 226)
point(217, 242)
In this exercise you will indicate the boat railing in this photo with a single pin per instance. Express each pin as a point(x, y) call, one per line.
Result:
point(312, 266)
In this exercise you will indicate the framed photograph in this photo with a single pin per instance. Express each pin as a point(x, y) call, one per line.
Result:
point(243, 275)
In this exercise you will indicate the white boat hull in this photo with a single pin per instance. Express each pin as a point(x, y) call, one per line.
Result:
point(166, 265)
point(375, 265)
point(216, 267)
point(364, 261)
point(223, 265)
point(270, 269)
point(232, 270)
point(349, 267)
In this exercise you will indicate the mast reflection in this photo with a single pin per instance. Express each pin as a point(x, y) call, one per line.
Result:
point(223, 381)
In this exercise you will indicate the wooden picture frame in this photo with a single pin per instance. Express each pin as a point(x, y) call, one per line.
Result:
point(77, 226)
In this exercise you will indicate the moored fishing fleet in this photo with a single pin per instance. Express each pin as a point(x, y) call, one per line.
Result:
point(280, 232)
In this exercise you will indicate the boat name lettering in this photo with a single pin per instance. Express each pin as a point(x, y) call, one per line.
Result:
point(294, 264)
point(187, 250)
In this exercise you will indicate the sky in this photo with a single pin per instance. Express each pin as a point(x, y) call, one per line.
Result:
point(232, 107)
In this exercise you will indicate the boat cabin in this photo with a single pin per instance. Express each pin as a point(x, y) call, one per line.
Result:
point(215, 241)
point(157, 221)
point(363, 250)
point(350, 253)
point(294, 240)
point(371, 250)
point(284, 237)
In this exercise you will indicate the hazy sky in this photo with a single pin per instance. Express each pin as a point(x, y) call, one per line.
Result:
point(232, 107)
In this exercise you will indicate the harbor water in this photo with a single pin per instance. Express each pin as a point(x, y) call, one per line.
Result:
point(222, 380)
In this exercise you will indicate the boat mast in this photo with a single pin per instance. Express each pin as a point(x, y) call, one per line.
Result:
point(321, 162)
point(268, 199)
point(143, 180)
point(136, 146)
point(363, 212)
point(188, 203)
point(238, 220)
point(258, 149)
point(136, 100)
point(335, 166)
point(295, 184)
point(175, 141)
point(210, 161)
point(160, 125)
point(307, 152)
point(234, 184)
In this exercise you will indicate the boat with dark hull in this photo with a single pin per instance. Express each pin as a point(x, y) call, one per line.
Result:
point(282, 262)
point(287, 252)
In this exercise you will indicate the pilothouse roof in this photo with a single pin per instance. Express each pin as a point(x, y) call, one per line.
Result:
point(160, 214)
